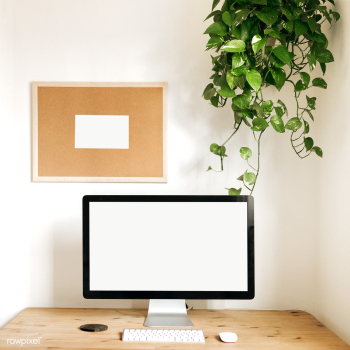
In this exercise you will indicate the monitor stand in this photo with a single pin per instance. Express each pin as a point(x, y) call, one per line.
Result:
point(167, 313)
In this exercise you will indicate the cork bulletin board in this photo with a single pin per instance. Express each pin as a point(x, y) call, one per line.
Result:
point(99, 132)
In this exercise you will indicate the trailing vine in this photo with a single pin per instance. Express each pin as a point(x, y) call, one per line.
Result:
point(259, 43)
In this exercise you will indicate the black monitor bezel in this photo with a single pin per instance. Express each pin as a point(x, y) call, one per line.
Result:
point(198, 295)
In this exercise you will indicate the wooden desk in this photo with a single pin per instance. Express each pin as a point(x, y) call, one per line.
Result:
point(263, 330)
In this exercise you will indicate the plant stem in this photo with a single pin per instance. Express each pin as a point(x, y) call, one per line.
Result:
point(246, 186)
point(301, 150)
point(232, 134)
point(300, 144)
point(222, 158)
point(250, 165)
point(258, 170)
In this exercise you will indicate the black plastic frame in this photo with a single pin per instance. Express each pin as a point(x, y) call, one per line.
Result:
point(88, 294)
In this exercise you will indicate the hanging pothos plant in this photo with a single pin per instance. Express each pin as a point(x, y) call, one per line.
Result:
point(259, 43)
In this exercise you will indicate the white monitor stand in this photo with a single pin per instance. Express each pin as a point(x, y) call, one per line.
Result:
point(167, 313)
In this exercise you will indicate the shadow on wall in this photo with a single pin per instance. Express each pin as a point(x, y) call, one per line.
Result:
point(68, 272)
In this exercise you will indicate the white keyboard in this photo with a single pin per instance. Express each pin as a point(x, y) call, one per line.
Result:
point(164, 335)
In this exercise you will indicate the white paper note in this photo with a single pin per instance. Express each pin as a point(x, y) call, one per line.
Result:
point(102, 131)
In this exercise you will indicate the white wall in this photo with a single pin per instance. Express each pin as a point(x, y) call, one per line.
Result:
point(334, 233)
point(157, 40)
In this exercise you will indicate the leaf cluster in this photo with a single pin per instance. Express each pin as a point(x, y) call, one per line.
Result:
point(261, 43)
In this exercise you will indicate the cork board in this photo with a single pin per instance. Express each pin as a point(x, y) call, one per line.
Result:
point(56, 109)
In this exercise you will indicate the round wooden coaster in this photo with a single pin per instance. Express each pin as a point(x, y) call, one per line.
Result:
point(93, 327)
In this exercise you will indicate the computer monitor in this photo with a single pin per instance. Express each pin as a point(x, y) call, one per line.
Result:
point(168, 249)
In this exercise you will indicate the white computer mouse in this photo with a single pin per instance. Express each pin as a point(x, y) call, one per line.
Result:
point(228, 337)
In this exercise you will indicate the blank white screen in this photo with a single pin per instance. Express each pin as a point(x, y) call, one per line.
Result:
point(167, 246)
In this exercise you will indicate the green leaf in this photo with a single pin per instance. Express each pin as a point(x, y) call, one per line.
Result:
point(275, 3)
point(288, 25)
point(319, 82)
point(209, 168)
point(245, 153)
point(254, 79)
point(309, 143)
point(284, 107)
point(215, 3)
point(215, 101)
point(247, 29)
point(215, 59)
point(242, 70)
point(287, 13)
point(225, 6)
point(250, 61)
point(335, 15)
point(300, 28)
point(209, 92)
point(259, 2)
point(310, 114)
point(217, 12)
point(259, 112)
point(234, 192)
point(305, 78)
point(324, 56)
point(279, 111)
point(207, 88)
point(246, 121)
point(218, 28)
point(312, 61)
point(276, 61)
point(306, 127)
point(267, 15)
point(214, 148)
point(220, 80)
point(300, 86)
point(323, 67)
point(296, 10)
point(241, 15)
point(249, 178)
point(258, 43)
point(311, 102)
point(234, 46)
point(239, 81)
point(293, 124)
point(226, 91)
point(266, 107)
point(312, 23)
point(226, 17)
point(218, 150)
point(323, 10)
point(229, 79)
point(318, 151)
point(240, 178)
point(273, 33)
point(243, 101)
point(247, 113)
point(214, 42)
point(277, 124)
point(237, 114)
point(279, 75)
point(321, 39)
point(282, 53)
point(237, 61)
point(259, 124)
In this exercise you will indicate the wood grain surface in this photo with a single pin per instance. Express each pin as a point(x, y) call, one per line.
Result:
point(263, 330)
